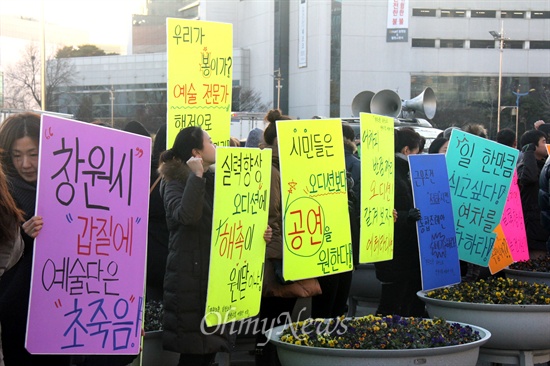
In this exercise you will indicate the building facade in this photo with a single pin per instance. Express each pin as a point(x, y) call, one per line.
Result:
point(312, 57)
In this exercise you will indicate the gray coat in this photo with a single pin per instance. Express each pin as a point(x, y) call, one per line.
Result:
point(188, 201)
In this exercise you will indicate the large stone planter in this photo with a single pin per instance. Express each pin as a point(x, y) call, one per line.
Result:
point(513, 327)
point(528, 276)
point(294, 355)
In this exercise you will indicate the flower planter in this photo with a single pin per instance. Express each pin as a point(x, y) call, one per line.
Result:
point(153, 354)
point(528, 276)
point(513, 327)
point(292, 355)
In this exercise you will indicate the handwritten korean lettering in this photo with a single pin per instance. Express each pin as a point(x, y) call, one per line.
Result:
point(381, 166)
point(114, 326)
point(78, 277)
point(241, 169)
point(216, 94)
point(105, 235)
point(186, 92)
point(215, 65)
point(312, 145)
point(378, 243)
point(203, 120)
point(233, 236)
point(497, 163)
point(370, 140)
point(95, 169)
point(335, 258)
point(421, 177)
point(306, 225)
point(187, 34)
point(377, 216)
point(328, 182)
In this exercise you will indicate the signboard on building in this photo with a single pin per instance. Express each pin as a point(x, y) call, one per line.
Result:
point(302, 34)
point(398, 21)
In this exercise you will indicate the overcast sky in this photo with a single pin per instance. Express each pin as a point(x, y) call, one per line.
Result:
point(108, 21)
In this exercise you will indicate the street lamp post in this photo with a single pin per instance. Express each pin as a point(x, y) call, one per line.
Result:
point(279, 86)
point(500, 38)
point(112, 98)
point(518, 96)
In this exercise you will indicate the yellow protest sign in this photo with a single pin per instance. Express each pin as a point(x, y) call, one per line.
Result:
point(241, 207)
point(316, 227)
point(199, 82)
point(377, 187)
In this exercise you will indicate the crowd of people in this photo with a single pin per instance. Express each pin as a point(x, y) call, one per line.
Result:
point(180, 226)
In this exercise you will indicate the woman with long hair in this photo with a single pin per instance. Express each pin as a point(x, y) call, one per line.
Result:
point(19, 137)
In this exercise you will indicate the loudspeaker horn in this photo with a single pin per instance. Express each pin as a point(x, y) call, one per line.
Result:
point(361, 103)
point(424, 102)
point(386, 102)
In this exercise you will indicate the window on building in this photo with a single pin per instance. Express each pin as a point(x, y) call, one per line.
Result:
point(482, 43)
point(451, 43)
point(423, 42)
point(539, 45)
point(453, 13)
point(484, 13)
point(512, 14)
point(424, 12)
point(513, 44)
point(540, 15)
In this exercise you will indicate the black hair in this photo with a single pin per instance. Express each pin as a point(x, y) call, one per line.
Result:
point(270, 132)
point(136, 128)
point(531, 137)
point(436, 145)
point(187, 139)
point(406, 136)
point(348, 131)
point(506, 136)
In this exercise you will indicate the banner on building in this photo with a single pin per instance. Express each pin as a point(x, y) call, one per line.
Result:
point(398, 21)
point(302, 34)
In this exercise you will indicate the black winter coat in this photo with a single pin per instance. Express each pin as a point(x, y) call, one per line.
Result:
point(405, 262)
point(188, 201)
point(544, 195)
point(528, 170)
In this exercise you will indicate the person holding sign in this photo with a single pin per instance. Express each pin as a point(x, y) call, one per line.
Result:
point(187, 189)
point(19, 137)
point(11, 242)
point(400, 276)
point(529, 167)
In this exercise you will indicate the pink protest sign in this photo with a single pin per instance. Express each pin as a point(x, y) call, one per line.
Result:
point(512, 223)
point(89, 258)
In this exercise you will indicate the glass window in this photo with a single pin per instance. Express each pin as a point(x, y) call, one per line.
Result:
point(539, 45)
point(451, 43)
point(424, 12)
point(484, 14)
point(423, 42)
point(513, 44)
point(481, 43)
point(453, 13)
point(512, 14)
point(540, 15)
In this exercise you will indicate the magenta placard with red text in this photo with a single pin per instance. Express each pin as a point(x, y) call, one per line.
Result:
point(89, 259)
